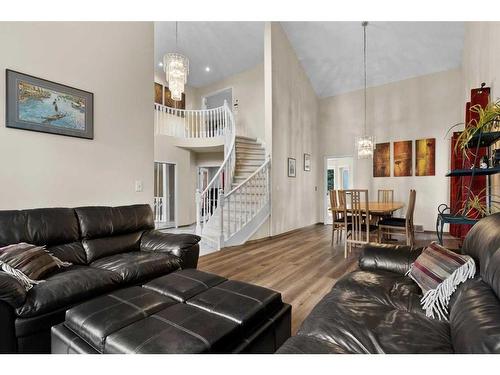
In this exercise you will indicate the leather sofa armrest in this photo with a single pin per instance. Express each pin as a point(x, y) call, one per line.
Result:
point(185, 246)
point(393, 258)
point(11, 291)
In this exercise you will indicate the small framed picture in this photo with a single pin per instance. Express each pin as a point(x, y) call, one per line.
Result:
point(307, 162)
point(292, 167)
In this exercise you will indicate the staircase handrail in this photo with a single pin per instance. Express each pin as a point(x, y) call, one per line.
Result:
point(264, 165)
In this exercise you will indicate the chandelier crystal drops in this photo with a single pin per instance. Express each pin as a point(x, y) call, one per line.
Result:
point(365, 143)
point(176, 67)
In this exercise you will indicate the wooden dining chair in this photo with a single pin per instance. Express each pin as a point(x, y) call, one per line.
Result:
point(337, 216)
point(394, 225)
point(356, 212)
point(385, 196)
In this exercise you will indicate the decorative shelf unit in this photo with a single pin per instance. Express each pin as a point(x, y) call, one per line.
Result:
point(473, 172)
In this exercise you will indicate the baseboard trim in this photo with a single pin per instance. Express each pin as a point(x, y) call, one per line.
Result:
point(276, 236)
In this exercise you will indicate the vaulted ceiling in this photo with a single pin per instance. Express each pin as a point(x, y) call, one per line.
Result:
point(330, 52)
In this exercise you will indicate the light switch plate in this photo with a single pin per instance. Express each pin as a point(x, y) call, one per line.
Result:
point(138, 186)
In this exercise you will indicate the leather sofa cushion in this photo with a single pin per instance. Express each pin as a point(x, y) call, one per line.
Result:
point(96, 319)
point(138, 266)
point(243, 303)
point(483, 244)
point(177, 329)
point(70, 252)
point(96, 222)
point(43, 226)
point(394, 258)
point(309, 344)
point(65, 288)
point(475, 318)
point(184, 284)
point(387, 288)
point(11, 290)
point(101, 247)
point(360, 322)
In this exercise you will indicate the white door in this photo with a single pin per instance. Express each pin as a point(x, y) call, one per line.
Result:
point(164, 195)
point(338, 176)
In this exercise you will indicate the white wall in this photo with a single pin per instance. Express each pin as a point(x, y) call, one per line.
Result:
point(481, 63)
point(248, 89)
point(294, 132)
point(114, 60)
point(422, 107)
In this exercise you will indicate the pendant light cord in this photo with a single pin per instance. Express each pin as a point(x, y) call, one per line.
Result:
point(176, 44)
point(364, 24)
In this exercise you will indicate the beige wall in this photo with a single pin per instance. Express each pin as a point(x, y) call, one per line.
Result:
point(481, 63)
point(115, 62)
point(294, 132)
point(248, 89)
point(422, 107)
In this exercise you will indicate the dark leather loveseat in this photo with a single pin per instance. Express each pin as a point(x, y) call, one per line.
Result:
point(377, 309)
point(109, 247)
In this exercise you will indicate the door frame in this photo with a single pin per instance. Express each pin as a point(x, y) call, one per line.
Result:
point(325, 182)
point(204, 96)
point(176, 198)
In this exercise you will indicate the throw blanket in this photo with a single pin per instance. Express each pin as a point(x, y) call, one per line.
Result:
point(438, 271)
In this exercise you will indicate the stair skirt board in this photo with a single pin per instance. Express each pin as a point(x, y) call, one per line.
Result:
point(249, 229)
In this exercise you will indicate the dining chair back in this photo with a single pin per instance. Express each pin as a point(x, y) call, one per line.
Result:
point(337, 211)
point(391, 225)
point(385, 196)
point(356, 218)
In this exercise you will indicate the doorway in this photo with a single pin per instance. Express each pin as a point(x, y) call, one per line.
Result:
point(216, 99)
point(338, 176)
point(164, 195)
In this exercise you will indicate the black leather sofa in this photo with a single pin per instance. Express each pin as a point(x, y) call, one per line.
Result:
point(110, 248)
point(377, 308)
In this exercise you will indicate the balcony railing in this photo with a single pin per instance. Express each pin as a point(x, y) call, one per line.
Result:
point(182, 123)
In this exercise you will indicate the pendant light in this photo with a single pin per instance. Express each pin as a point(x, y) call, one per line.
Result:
point(176, 67)
point(365, 143)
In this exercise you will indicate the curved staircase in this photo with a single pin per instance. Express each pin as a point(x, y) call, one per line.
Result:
point(236, 202)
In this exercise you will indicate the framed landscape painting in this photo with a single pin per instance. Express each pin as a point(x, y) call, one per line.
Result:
point(425, 157)
point(45, 106)
point(382, 160)
point(403, 158)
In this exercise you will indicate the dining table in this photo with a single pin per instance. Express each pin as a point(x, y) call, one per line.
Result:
point(378, 208)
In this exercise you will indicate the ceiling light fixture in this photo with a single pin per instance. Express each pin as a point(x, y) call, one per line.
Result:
point(160, 64)
point(176, 67)
point(207, 69)
point(365, 143)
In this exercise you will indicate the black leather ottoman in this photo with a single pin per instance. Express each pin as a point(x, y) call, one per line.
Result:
point(187, 311)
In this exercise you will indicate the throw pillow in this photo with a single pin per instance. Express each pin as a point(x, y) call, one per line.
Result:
point(438, 271)
point(28, 263)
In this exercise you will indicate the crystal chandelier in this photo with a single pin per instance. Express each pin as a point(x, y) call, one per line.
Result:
point(176, 67)
point(365, 143)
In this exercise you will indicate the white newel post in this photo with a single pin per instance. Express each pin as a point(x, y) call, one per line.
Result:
point(221, 219)
point(198, 219)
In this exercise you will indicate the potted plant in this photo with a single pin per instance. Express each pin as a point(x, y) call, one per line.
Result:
point(489, 121)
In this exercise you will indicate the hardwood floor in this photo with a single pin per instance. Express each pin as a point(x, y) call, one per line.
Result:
point(301, 265)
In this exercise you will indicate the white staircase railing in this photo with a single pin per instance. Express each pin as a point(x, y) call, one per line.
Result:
point(182, 123)
point(247, 202)
point(208, 200)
